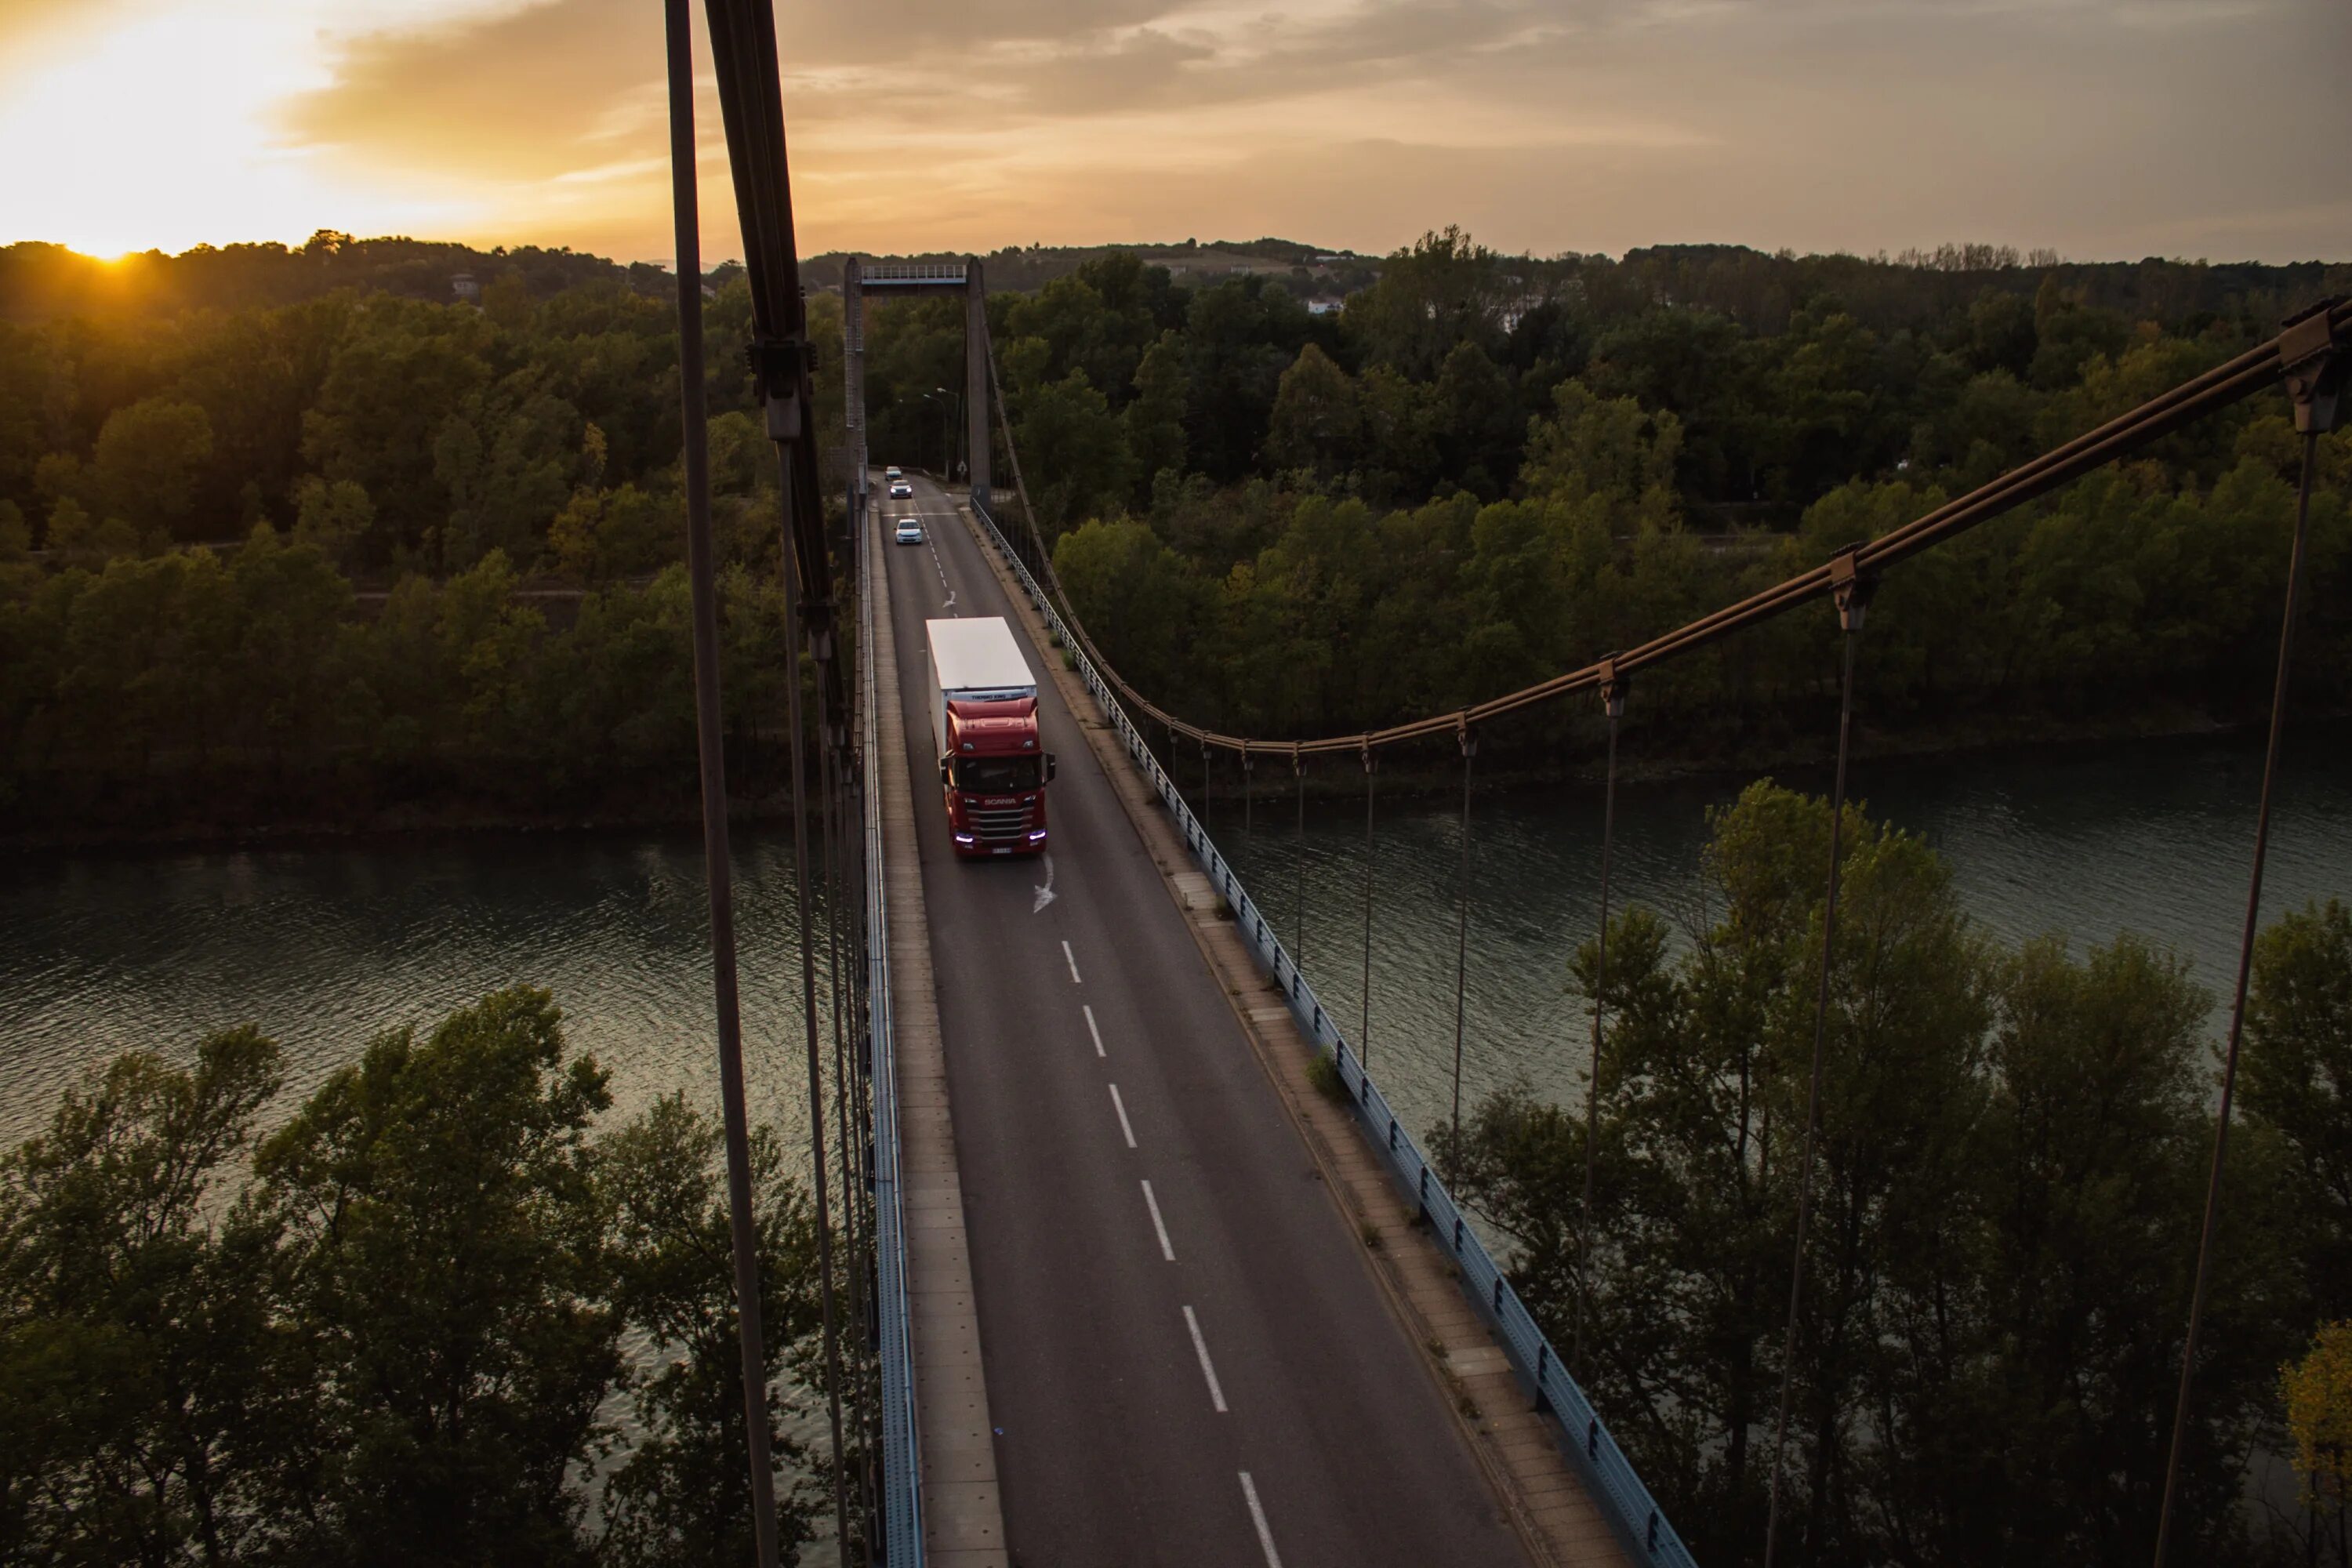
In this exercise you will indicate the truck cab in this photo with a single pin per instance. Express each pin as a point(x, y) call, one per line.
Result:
point(995, 777)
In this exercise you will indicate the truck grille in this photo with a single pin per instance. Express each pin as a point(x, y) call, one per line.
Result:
point(1000, 824)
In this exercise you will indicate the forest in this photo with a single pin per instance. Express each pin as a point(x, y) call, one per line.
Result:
point(310, 535)
point(420, 1317)
point(2008, 1189)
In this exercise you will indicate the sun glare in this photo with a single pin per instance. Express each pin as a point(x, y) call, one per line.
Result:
point(156, 134)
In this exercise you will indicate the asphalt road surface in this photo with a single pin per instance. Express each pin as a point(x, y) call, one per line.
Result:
point(1188, 1360)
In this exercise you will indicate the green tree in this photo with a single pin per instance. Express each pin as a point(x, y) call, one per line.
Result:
point(149, 456)
point(1155, 421)
point(1134, 593)
point(440, 1208)
point(334, 516)
point(2298, 1080)
point(1318, 420)
point(2317, 1393)
point(508, 464)
point(383, 402)
point(147, 1394)
point(683, 1495)
point(1437, 293)
point(1071, 441)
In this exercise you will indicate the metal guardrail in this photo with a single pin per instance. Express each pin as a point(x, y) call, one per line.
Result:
point(1609, 1476)
point(902, 1466)
point(912, 272)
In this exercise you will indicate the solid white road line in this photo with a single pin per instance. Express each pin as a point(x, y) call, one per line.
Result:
point(1257, 1517)
point(1167, 1248)
point(1095, 1032)
point(1073, 962)
point(1216, 1394)
point(1121, 1106)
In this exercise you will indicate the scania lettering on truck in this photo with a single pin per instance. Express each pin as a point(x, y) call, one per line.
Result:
point(993, 765)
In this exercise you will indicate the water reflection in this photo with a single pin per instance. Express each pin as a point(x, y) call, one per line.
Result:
point(2151, 837)
point(325, 947)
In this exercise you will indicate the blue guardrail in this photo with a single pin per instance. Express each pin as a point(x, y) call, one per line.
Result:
point(1609, 1476)
point(902, 1459)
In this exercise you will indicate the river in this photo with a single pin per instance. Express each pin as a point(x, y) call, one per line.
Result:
point(2152, 837)
point(326, 946)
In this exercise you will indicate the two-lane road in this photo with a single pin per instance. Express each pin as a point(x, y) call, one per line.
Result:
point(1188, 1360)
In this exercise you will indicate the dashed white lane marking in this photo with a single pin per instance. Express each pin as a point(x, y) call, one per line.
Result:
point(1095, 1032)
point(1045, 893)
point(1200, 1345)
point(1216, 1393)
point(1121, 1106)
point(1257, 1517)
point(1167, 1248)
point(1073, 962)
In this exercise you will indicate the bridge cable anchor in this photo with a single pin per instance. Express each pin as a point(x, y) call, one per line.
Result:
point(778, 365)
point(1851, 587)
point(2315, 366)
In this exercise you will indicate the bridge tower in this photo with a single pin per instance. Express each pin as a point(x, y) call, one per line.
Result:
point(862, 281)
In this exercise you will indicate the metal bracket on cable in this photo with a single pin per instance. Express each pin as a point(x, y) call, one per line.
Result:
point(1614, 688)
point(2316, 365)
point(777, 365)
point(1852, 587)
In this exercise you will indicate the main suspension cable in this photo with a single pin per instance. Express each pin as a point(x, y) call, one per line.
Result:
point(2239, 378)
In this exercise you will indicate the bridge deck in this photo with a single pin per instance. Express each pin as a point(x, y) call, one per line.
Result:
point(1144, 1351)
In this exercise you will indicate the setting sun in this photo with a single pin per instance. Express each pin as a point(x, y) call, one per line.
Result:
point(159, 133)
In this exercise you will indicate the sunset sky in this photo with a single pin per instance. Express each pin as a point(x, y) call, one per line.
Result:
point(2103, 128)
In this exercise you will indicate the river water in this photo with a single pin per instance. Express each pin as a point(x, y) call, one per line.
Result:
point(325, 946)
point(2154, 837)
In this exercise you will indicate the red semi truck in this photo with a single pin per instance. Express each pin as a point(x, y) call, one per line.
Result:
point(994, 767)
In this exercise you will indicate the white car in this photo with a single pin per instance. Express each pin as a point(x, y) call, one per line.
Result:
point(901, 491)
point(910, 531)
point(893, 472)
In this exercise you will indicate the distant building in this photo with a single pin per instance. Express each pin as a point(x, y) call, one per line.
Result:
point(1323, 306)
point(468, 292)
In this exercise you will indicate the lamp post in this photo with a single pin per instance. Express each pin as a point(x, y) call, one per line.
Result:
point(946, 431)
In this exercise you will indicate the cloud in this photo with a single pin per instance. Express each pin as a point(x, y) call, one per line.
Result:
point(2099, 126)
point(528, 95)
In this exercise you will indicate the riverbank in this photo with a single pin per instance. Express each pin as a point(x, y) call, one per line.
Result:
point(162, 820)
point(1434, 770)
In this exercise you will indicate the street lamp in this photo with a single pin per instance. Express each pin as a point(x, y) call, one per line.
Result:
point(946, 430)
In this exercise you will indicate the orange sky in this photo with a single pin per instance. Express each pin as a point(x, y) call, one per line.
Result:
point(2103, 128)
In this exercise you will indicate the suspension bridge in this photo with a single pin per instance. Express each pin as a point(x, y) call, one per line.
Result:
point(1108, 1277)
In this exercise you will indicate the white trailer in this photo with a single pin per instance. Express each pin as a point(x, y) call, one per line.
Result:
point(974, 659)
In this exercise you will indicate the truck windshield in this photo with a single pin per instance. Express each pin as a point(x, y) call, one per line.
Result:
point(996, 776)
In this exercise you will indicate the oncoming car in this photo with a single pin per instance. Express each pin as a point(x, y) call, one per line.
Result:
point(893, 472)
point(910, 530)
point(900, 489)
